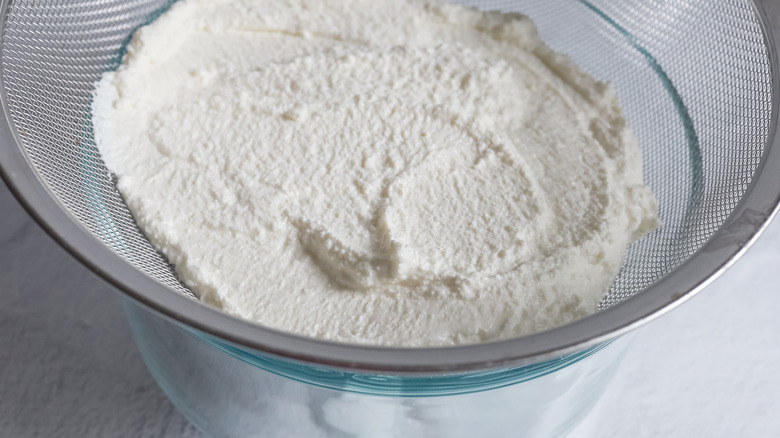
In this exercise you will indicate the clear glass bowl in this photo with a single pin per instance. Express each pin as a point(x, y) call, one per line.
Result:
point(230, 391)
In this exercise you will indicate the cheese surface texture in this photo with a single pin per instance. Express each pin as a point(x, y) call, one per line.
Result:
point(389, 172)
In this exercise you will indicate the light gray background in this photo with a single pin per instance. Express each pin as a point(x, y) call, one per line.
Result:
point(68, 367)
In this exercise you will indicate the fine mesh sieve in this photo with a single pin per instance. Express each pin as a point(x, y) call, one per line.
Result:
point(696, 79)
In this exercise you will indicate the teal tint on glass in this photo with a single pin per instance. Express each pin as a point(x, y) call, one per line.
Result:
point(396, 385)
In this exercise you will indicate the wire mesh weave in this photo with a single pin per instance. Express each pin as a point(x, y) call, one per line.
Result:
point(693, 78)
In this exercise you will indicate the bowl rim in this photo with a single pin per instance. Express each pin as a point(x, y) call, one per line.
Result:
point(748, 219)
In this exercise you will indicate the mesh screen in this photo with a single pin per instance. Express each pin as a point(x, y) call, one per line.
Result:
point(693, 78)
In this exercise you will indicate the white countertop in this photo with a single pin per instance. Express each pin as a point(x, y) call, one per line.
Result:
point(69, 368)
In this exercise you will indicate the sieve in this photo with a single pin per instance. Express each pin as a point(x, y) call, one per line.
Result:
point(698, 82)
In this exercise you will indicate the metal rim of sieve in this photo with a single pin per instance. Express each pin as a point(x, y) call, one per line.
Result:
point(749, 218)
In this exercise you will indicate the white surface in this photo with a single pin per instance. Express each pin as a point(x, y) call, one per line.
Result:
point(710, 367)
point(68, 367)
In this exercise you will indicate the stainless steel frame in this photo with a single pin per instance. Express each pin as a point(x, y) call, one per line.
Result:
point(746, 222)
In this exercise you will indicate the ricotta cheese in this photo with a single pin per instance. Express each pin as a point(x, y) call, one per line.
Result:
point(391, 172)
